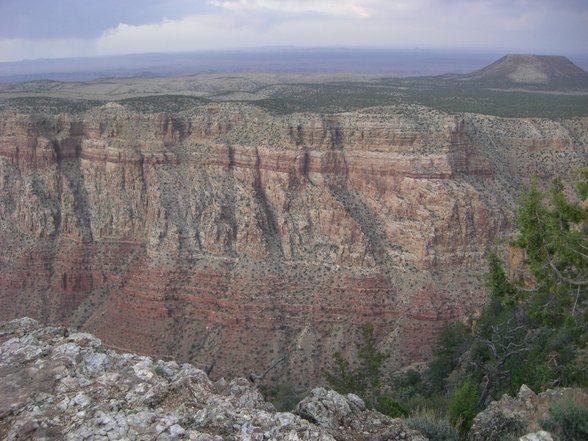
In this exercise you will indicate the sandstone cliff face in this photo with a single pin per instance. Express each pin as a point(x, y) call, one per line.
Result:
point(229, 234)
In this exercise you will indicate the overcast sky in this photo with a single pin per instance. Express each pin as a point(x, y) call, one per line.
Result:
point(64, 28)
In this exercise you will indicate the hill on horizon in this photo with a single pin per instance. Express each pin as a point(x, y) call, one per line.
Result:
point(540, 72)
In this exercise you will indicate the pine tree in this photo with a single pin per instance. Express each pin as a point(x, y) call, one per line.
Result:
point(365, 379)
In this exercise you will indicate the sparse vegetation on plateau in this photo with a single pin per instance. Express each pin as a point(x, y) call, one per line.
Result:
point(326, 98)
point(162, 103)
point(48, 105)
point(451, 98)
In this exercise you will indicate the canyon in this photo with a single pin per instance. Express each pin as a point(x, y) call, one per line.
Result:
point(229, 235)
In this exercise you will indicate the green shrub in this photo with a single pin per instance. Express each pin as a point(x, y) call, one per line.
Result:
point(434, 426)
point(453, 341)
point(391, 407)
point(568, 420)
point(464, 406)
point(415, 393)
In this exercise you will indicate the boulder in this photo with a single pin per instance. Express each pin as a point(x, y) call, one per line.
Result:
point(347, 418)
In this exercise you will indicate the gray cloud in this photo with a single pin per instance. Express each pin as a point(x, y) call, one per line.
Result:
point(53, 28)
point(85, 18)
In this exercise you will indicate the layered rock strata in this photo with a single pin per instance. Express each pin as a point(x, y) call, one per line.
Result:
point(230, 235)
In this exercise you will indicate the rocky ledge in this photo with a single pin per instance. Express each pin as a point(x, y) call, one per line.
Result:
point(60, 384)
point(511, 417)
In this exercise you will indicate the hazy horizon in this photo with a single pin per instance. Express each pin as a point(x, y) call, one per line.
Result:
point(291, 59)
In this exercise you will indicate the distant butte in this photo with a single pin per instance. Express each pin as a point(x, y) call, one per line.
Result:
point(537, 71)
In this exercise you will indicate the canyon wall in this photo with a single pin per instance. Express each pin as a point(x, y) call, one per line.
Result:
point(232, 236)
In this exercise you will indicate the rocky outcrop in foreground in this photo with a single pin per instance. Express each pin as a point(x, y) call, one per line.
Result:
point(56, 384)
point(509, 418)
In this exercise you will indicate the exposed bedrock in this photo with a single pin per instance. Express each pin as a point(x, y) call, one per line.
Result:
point(231, 235)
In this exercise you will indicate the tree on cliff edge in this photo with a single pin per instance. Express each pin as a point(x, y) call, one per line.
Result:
point(535, 330)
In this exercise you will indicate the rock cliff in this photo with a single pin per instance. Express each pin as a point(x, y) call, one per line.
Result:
point(57, 384)
point(231, 235)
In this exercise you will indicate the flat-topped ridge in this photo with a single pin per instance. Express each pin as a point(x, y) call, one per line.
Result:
point(525, 69)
